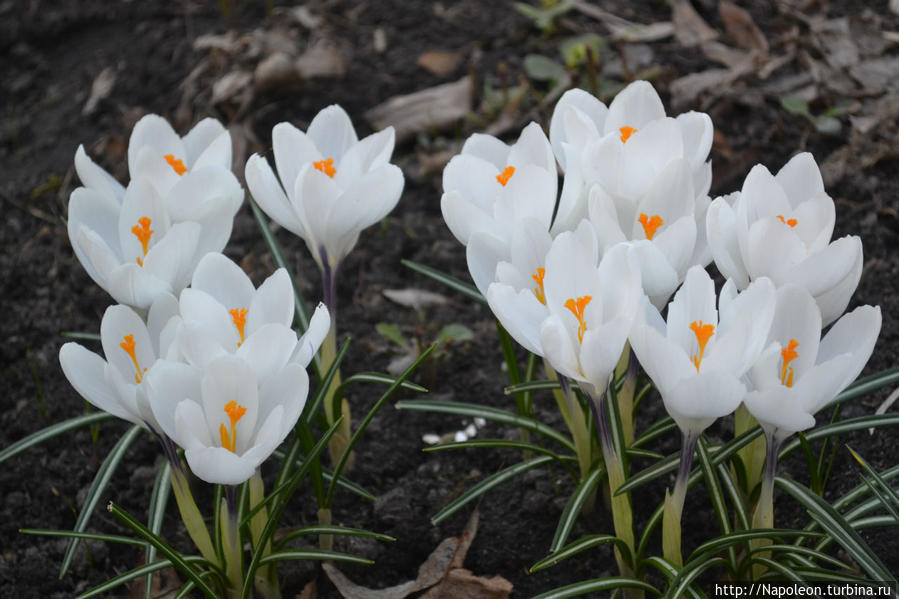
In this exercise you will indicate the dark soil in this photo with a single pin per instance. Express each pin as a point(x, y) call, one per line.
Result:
point(52, 52)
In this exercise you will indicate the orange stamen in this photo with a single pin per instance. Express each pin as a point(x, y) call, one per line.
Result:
point(128, 345)
point(235, 412)
point(626, 133)
point(650, 224)
point(789, 354)
point(577, 308)
point(703, 333)
point(326, 166)
point(143, 232)
point(239, 316)
point(792, 221)
point(175, 163)
point(504, 176)
point(538, 291)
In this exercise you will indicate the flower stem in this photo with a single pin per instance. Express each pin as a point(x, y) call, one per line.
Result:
point(231, 542)
point(266, 580)
point(674, 503)
point(763, 517)
point(750, 455)
point(341, 438)
point(577, 425)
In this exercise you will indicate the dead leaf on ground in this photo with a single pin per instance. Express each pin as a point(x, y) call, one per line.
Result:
point(233, 86)
point(726, 55)
point(623, 30)
point(275, 71)
point(742, 28)
point(687, 89)
point(321, 59)
point(878, 74)
point(310, 591)
point(834, 40)
point(439, 62)
point(462, 583)
point(690, 29)
point(414, 298)
point(100, 90)
point(434, 108)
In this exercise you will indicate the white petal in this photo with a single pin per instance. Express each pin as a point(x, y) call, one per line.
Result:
point(483, 253)
point(272, 302)
point(368, 200)
point(270, 196)
point(164, 308)
point(168, 384)
point(474, 179)
point(308, 344)
point(288, 389)
point(172, 259)
point(487, 148)
point(693, 302)
point(721, 228)
point(268, 349)
point(201, 136)
point(332, 132)
point(779, 407)
point(202, 191)
point(697, 401)
point(202, 312)
point(532, 148)
point(773, 249)
point(855, 334)
point(228, 379)
point(216, 465)
point(583, 102)
point(217, 153)
point(293, 150)
point(224, 281)
point(100, 214)
point(664, 362)
point(558, 348)
point(370, 153)
point(520, 313)
point(831, 275)
point(634, 106)
point(698, 133)
point(119, 322)
point(154, 132)
point(141, 201)
point(84, 369)
point(464, 218)
point(95, 178)
point(800, 179)
point(132, 285)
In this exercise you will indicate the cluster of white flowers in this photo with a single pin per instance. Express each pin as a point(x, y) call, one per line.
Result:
point(565, 273)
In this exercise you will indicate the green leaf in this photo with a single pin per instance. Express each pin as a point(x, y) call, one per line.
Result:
point(835, 525)
point(487, 413)
point(466, 289)
point(535, 386)
point(597, 585)
point(164, 548)
point(92, 536)
point(713, 488)
point(574, 49)
point(578, 546)
point(838, 428)
point(377, 378)
point(159, 499)
point(573, 509)
point(881, 489)
point(794, 105)
point(669, 571)
point(866, 385)
point(81, 335)
point(454, 332)
point(332, 530)
point(137, 573)
point(733, 492)
point(688, 574)
point(392, 333)
point(274, 248)
point(499, 444)
point(51, 431)
point(715, 545)
point(658, 429)
point(312, 407)
point(660, 468)
point(541, 68)
point(487, 484)
point(805, 551)
point(98, 486)
point(342, 482)
point(783, 570)
point(317, 554)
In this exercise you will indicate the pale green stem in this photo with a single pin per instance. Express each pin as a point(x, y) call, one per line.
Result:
point(577, 425)
point(341, 438)
point(266, 580)
point(191, 516)
point(752, 454)
point(674, 504)
point(231, 543)
point(763, 517)
point(627, 366)
point(325, 542)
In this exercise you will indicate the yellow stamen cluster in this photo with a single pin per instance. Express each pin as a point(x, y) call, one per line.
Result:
point(650, 224)
point(326, 166)
point(626, 133)
point(235, 412)
point(239, 316)
point(538, 290)
point(577, 308)
point(703, 333)
point(128, 345)
point(176, 163)
point(792, 222)
point(789, 354)
point(504, 176)
point(143, 232)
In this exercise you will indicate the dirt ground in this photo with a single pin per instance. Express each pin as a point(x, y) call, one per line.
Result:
point(84, 72)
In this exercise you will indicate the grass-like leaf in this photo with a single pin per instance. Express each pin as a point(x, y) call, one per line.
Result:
point(791, 550)
point(92, 536)
point(736, 500)
point(317, 554)
point(713, 546)
point(597, 585)
point(380, 379)
point(332, 530)
point(839, 428)
point(98, 486)
point(466, 289)
point(573, 509)
point(81, 336)
point(164, 548)
point(342, 482)
point(531, 386)
point(866, 385)
point(136, 573)
point(713, 489)
point(488, 483)
point(578, 546)
point(499, 444)
point(669, 571)
point(837, 527)
point(52, 431)
point(657, 429)
point(159, 499)
point(879, 487)
point(487, 413)
point(688, 574)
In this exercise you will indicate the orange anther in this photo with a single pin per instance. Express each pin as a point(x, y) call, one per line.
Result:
point(175, 163)
point(703, 333)
point(235, 412)
point(504, 176)
point(792, 221)
point(577, 308)
point(143, 232)
point(626, 133)
point(789, 354)
point(239, 316)
point(128, 345)
point(326, 166)
point(650, 224)
point(538, 291)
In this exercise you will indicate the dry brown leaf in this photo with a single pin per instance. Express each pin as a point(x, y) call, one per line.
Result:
point(275, 71)
point(100, 90)
point(414, 298)
point(439, 62)
point(310, 591)
point(742, 28)
point(434, 108)
point(685, 90)
point(722, 54)
point(878, 74)
point(321, 59)
point(690, 29)
point(624, 30)
point(462, 583)
point(234, 85)
point(835, 41)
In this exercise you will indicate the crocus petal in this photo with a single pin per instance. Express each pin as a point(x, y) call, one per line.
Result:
point(855, 334)
point(288, 389)
point(98, 213)
point(208, 317)
point(216, 465)
point(366, 201)
point(464, 218)
point(520, 313)
point(474, 179)
point(315, 197)
point(154, 132)
point(224, 280)
point(698, 132)
point(270, 196)
point(773, 249)
point(332, 132)
point(721, 227)
point(191, 428)
point(173, 258)
point(272, 302)
point(483, 253)
point(488, 148)
point(168, 384)
point(634, 106)
point(84, 369)
point(532, 148)
point(800, 179)
point(308, 344)
point(268, 349)
point(164, 308)
point(665, 362)
point(201, 136)
point(693, 302)
point(558, 348)
point(119, 322)
point(141, 201)
point(132, 285)
point(584, 103)
point(217, 153)
point(293, 150)
point(203, 190)
point(697, 401)
point(228, 379)
point(601, 350)
point(831, 275)
point(742, 331)
point(779, 408)
point(369, 154)
point(95, 178)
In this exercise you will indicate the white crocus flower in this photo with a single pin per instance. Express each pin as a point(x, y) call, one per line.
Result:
point(132, 348)
point(332, 185)
point(800, 373)
point(491, 188)
point(230, 416)
point(157, 152)
point(780, 227)
point(698, 357)
point(223, 313)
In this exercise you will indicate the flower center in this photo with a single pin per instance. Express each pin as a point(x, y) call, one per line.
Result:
point(235, 412)
point(176, 164)
point(504, 176)
point(626, 133)
point(577, 308)
point(650, 224)
point(143, 232)
point(789, 354)
point(326, 166)
point(239, 316)
point(788, 221)
point(128, 345)
point(703, 333)
point(538, 290)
